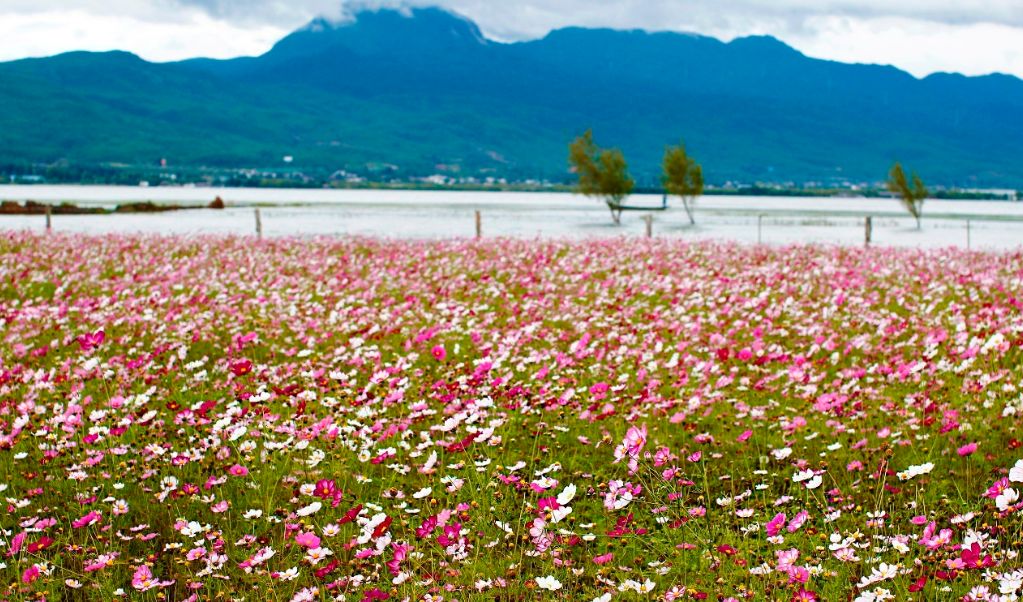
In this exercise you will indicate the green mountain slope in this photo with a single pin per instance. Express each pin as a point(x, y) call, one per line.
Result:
point(425, 92)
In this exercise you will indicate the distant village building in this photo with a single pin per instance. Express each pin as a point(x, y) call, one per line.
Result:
point(436, 179)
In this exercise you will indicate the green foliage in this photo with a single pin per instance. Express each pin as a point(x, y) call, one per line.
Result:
point(603, 173)
point(683, 177)
point(911, 195)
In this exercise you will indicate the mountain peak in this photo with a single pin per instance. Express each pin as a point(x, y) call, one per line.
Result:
point(764, 45)
point(383, 31)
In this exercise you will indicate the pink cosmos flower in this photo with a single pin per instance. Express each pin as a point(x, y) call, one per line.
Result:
point(620, 494)
point(88, 519)
point(797, 521)
point(400, 554)
point(997, 488)
point(799, 574)
point(632, 444)
point(775, 525)
point(427, 527)
point(933, 541)
point(143, 579)
point(786, 558)
point(974, 558)
point(30, 574)
point(89, 341)
point(439, 353)
point(307, 540)
point(326, 489)
point(238, 471)
point(804, 595)
point(967, 449)
point(101, 562)
point(16, 543)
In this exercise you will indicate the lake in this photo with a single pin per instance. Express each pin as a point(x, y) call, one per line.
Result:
point(445, 214)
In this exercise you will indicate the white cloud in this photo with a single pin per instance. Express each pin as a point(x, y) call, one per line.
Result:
point(920, 48)
point(921, 36)
point(184, 36)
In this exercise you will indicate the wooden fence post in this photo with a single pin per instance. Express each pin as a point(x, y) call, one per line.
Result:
point(49, 221)
point(968, 241)
point(259, 225)
point(868, 230)
point(479, 225)
point(649, 219)
point(760, 227)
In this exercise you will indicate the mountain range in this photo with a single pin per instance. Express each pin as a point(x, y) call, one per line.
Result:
point(414, 92)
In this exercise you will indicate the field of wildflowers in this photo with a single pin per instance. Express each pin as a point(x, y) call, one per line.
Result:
point(232, 419)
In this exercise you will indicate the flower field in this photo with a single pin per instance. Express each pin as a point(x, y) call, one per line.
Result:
point(232, 419)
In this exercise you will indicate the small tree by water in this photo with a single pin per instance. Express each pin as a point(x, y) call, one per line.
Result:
point(603, 173)
point(912, 194)
point(683, 177)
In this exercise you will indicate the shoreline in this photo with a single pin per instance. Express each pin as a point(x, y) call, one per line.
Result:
point(31, 207)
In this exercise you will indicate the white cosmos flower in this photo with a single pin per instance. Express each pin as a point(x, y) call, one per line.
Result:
point(568, 493)
point(370, 527)
point(1010, 583)
point(1016, 472)
point(548, 583)
point(877, 595)
point(808, 478)
point(641, 588)
point(289, 574)
point(315, 555)
point(1006, 498)
point(915, 471)
point(191, 529)
point(310, 509)
point(623, 500)
point(422, 493)
point(781, 454)
point(559, 515)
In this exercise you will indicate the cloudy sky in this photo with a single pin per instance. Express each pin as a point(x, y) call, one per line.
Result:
point(920, 36)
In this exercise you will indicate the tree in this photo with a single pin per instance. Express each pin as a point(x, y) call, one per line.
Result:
point(912, 197)
point(683, 177)
point(602, 173)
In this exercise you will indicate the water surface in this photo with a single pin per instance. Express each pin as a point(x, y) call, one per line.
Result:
point(446, 214)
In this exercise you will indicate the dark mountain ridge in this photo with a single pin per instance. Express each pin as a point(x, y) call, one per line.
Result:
point(424, 91)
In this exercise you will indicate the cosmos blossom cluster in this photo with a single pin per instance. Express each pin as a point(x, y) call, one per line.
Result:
point(195, 418)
